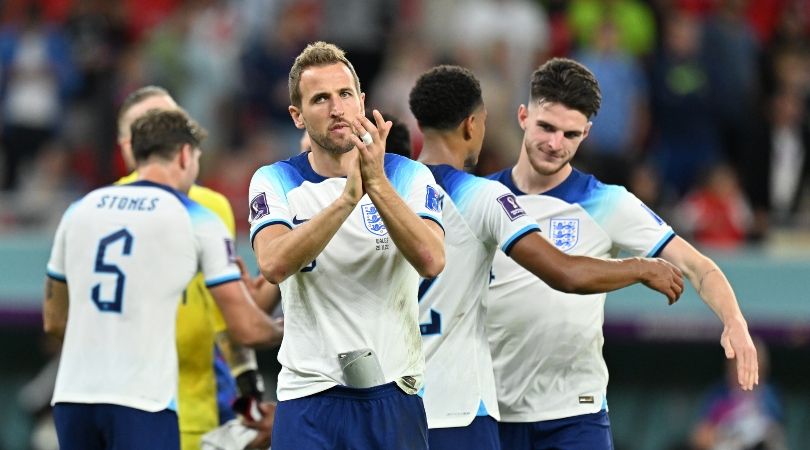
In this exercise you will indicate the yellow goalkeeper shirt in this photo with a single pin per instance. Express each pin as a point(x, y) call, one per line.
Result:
point(198, 322)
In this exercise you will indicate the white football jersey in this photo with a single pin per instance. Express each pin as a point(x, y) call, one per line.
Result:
point(479, 216)
point(127, 253)
point(547, 345)
point(360, 292)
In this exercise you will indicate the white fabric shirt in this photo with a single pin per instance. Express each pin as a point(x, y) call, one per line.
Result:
point(547, 345)
point(479, 216)
point(127, 253)
point(360, 292)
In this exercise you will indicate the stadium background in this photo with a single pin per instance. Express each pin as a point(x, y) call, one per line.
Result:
point(704, 118)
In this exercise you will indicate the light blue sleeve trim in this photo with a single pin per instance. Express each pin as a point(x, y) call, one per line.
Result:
point(262, 225)
point(222, 280)
point(172, 406)
point(523, 232)
point(660, 245)
point(56, 276)
point(604, 403)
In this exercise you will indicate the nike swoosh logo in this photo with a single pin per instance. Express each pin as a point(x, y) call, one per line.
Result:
point(297, 221)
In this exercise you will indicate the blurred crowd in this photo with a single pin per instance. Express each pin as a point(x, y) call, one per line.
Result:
point(704, 112)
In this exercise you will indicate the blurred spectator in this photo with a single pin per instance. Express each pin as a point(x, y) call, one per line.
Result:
point(38, 77)
point(634, 20)
point(716, 214)
point(618, 131)
point(733, 419)
point(502, 42)
point(731, 53)
point(265, 65)
point(779, 171)
point(685, 138)
point(97, 37)
point(362, 28)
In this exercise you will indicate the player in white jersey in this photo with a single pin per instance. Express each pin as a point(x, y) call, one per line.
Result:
point(346, 230)
point(480, 217)
point(551, 377)
point(121, 258)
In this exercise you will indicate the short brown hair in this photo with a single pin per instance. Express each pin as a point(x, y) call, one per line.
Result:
point(163, 133)
point(136, 97)
point(565, 81)
point(317, 54)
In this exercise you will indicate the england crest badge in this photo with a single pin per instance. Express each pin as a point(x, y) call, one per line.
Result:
point(564, 233)
point(373, 220)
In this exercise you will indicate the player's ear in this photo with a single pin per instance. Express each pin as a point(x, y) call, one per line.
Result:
point(467, 126)
point(297, 118)
point(522, 114)
point(184, 155)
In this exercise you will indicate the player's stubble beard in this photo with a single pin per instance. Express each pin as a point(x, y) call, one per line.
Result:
point(546, 167)
point(329, 144)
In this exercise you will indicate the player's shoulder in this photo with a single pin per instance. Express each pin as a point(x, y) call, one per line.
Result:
point(287, 174)
point(455, 181)
point(210, 199)
point(581, 187)
point(396, 166)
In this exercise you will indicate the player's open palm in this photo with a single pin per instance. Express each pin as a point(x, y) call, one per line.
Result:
point(663, 277)
point(372, 151)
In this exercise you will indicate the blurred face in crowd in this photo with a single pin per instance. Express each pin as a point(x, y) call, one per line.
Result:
point(329, 103)
point(159, 102)
point(552, 133)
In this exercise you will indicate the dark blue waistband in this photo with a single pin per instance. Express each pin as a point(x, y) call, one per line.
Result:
point(383, 390)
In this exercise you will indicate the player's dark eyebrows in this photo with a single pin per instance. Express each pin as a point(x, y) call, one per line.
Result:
point(570, 133)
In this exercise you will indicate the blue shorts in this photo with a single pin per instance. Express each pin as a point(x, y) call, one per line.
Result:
point(585, 432)
point(101, 426)
point(481, 434)
point(382, 417)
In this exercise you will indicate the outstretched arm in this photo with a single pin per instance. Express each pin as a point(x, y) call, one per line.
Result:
point(586, 275)
point(713, 287)
point(247, 324)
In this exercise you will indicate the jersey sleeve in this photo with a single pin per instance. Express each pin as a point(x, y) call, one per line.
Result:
point(424, 196)
point(634, 227)
point(502, 220)
point(56, 262)
point(268, 200)
point(216, 247)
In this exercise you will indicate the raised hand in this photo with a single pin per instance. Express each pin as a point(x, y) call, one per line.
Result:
point(372, 156)
point(353, 191)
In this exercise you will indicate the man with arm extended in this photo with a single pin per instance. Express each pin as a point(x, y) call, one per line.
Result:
point(346, 230)
point(550, 374)
point(199, 323)
point(121, 258)
point(480, 217)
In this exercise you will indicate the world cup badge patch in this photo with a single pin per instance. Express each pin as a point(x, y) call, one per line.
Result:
point(373, 220)
point(258, 207)
point(564, 233)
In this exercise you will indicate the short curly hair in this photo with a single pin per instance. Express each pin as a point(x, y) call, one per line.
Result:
point(444, 96)
point(565, 81)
